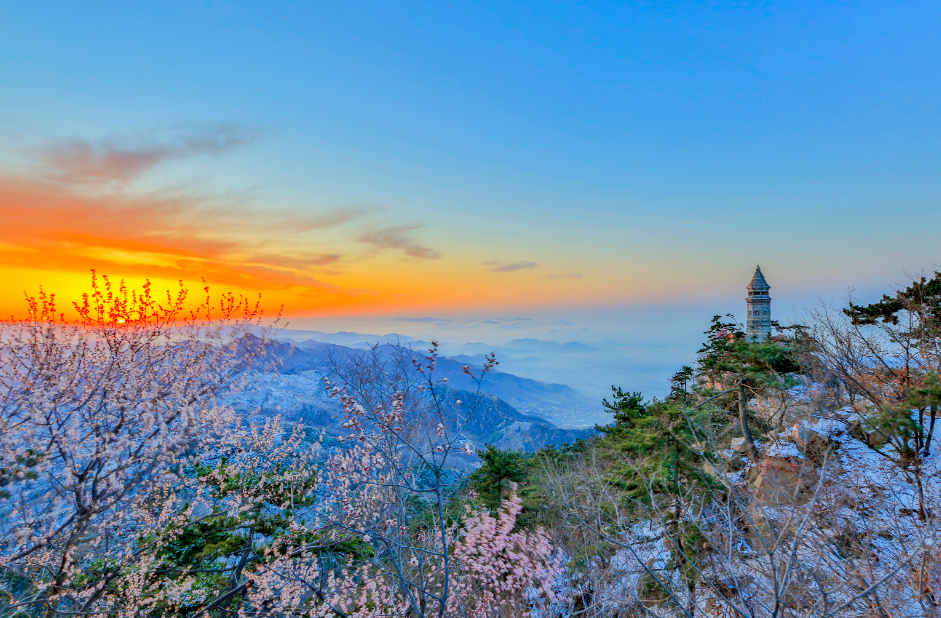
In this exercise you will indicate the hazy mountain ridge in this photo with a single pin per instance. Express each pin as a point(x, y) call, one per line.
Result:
point(559, 403)
point(289, 380)
point(589, 369)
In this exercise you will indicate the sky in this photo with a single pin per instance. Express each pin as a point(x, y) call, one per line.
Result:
point(586, 165)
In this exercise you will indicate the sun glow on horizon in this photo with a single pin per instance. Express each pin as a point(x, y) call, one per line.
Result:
point(55, 232)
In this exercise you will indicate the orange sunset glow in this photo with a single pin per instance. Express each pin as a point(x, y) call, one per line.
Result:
point(423, 308)
point(368, 175)
point(80, 212)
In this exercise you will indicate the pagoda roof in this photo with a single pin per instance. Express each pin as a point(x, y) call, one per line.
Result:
point(758, 281)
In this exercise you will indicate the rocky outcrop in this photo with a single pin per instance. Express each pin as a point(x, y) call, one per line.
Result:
point(814, 445)
point(783, 480)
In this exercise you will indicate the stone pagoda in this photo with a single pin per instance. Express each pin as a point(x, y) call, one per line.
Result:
point(759, 308)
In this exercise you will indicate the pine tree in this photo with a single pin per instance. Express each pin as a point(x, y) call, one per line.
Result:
point(499, 470)
point(727, 359)
point(909, 392)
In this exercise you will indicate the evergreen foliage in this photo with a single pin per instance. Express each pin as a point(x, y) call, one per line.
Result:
point(680, 381)
point(908, 433)
point(656, 448)
point(626, 406)
point(734, 370)
point(499, 471)
point(759, 364)
point(514, 472)
point(901, 373)
point(922, 295)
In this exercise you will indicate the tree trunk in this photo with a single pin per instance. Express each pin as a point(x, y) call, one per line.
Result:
point(933, 411)
point(922, 511)
point(743, 419)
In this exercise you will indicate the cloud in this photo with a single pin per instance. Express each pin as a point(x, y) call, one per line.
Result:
point(495, 320)
point(511, 267)
point(565, 276)
point(47, 226)
point(442, 320)
point(399, 238)
point(307, 223)
point(79, 209)
point(93, 163)
point(300, 262)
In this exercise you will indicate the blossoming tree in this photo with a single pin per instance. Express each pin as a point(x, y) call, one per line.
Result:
point(97, 415)
point(129, 488)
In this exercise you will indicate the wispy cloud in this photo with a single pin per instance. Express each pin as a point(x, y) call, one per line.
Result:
point(307, 223)
point(500, 267)
point(79, 208)
point(565, 276)
point(399, 238)
point(300, 262)
point(48, 227)
point(107, 161)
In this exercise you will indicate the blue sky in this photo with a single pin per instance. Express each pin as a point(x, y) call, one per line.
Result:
point(634, 153)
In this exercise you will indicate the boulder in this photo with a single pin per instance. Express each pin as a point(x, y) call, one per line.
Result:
point(783, 480)
point(812, 444)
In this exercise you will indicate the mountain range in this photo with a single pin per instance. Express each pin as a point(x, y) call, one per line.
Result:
point(510, 413)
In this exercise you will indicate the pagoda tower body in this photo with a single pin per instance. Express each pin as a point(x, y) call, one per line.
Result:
point(759, 308)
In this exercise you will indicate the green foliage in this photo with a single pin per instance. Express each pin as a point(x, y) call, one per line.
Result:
point(657, 451)
point(906, 389)
point(15, 585)
point(498, 470)
point(200, 544)
point(905, 423)
point(626, 406)
point(679, 383)
point(501, 469)
point(923, 296)
point(216, 546)
point(736, 369)
point(757, 364)
point(224, 483)
point(22, 469)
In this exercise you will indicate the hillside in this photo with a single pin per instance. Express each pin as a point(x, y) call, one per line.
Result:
point(557, 403)
point(289, 380)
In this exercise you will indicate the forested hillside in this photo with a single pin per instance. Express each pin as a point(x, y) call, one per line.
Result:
point(169, 461)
